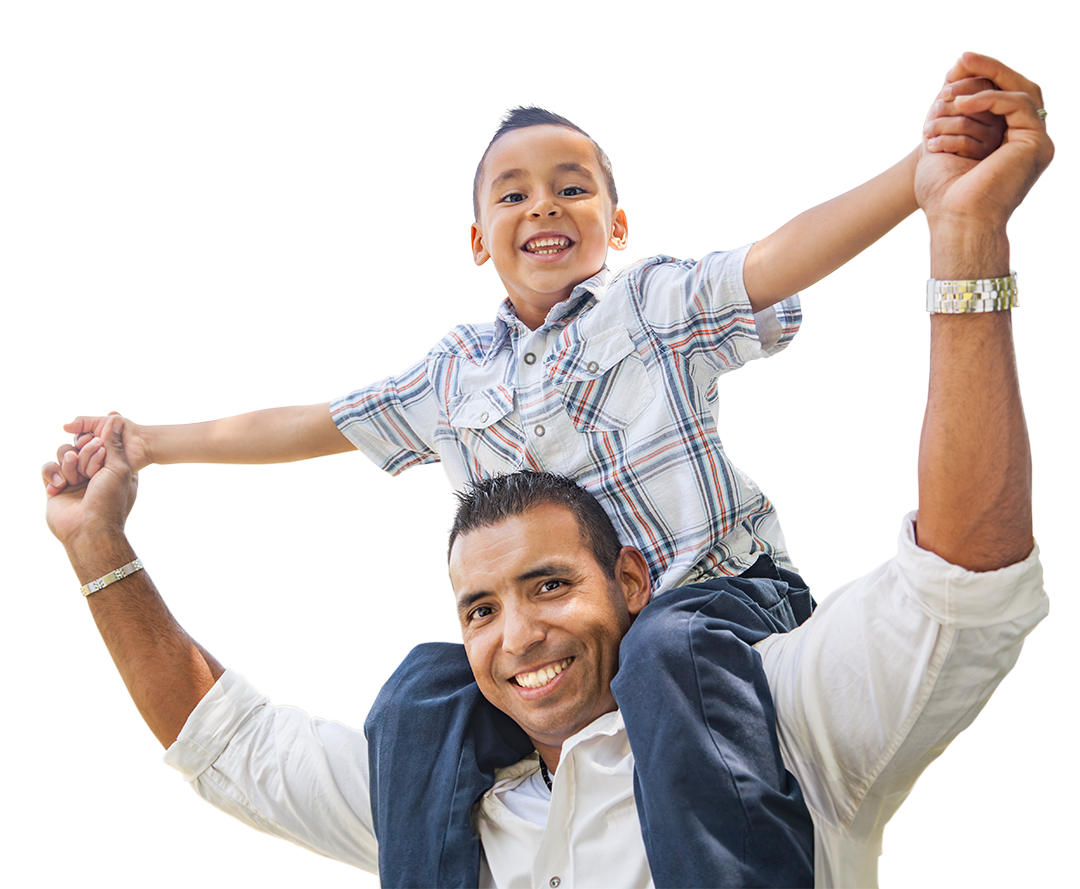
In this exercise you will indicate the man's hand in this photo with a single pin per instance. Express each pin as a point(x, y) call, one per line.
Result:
point(166, 671)
point(76, 465)
point(981, 196)
point(102, 504)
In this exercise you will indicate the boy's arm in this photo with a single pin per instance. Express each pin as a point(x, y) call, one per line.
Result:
point(276, 435)
point(819, 241)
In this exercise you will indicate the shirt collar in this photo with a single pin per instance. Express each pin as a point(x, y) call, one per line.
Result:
point(609, 724)
point(581, 298)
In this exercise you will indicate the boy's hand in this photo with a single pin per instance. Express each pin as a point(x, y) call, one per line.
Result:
point(76, 465)
point(975, 199)
point(948, 130)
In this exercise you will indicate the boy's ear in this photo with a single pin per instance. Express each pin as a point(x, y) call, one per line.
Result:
point(480, 254)
point(619, 231)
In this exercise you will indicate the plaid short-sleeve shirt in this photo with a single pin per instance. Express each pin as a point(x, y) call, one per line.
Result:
point(617, 390)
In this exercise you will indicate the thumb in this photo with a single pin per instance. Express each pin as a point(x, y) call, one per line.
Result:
point(112, 436)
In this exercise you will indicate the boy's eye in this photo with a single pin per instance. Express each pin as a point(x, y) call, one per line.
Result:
point(513, 198)
point(572, 191)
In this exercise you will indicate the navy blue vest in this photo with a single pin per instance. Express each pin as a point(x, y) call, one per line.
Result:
point(717, 806)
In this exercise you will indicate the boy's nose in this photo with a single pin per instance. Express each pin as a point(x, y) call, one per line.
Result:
point(544, 206)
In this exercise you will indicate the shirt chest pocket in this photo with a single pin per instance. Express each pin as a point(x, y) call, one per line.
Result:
point(484, 423)
point(602, 381)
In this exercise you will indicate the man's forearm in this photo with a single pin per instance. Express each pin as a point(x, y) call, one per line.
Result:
point(974, 457)
point(166, 671)
point(820, 240)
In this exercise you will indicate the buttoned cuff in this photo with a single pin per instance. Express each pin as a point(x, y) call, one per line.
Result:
point(961, 599)
point(777, 325)
point(213, 723)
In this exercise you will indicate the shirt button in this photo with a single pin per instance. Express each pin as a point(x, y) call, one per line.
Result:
point(554, 882)
point(539, 430)
point(530, 358)
point(592, 367)
point(483, 417)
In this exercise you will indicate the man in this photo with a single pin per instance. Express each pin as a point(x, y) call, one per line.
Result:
point(919, 644)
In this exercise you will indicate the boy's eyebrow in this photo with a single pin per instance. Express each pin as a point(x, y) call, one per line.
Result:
point(566, 167)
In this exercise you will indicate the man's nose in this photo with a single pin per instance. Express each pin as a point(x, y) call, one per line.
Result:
point(522, 629)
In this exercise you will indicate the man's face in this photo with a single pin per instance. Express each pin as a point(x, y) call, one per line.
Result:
point(542, 621)
point(546, 219)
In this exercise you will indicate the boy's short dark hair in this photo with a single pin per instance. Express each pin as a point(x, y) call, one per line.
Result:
point(533, 116)
point(492, 500)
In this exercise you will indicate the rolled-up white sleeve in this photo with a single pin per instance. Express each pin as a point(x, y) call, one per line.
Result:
point(884, 675)
point(279, 770)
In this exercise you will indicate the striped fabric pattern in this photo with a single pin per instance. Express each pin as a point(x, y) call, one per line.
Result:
point(618, 389)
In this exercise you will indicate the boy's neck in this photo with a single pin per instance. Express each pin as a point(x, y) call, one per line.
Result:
point(534, 312)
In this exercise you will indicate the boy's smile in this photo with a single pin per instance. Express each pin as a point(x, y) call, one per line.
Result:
point(546, 219)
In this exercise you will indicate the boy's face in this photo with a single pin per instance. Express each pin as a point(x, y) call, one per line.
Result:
point(546, 219)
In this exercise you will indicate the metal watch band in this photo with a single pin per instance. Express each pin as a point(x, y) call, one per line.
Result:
point(979, 295)
point(113, 576)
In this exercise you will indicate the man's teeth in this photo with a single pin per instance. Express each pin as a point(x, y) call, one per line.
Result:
point(546, 246)
point(541, 677)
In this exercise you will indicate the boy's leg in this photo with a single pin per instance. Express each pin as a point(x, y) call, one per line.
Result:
point(708, 775)
point(436, 741)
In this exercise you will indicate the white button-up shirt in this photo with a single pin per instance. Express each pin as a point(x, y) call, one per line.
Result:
point(868, 692)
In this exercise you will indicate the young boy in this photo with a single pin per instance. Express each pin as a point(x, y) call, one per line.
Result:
point(607, 379)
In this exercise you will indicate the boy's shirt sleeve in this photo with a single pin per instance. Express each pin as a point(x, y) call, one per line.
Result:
point(700, 309)
point(392, 421)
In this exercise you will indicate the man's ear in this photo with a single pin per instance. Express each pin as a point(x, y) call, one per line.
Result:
point(619, 230)
point(633, 576)
point(480, 254)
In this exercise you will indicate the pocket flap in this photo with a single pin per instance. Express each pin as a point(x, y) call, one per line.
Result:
point(589, 359)
point(478, 410)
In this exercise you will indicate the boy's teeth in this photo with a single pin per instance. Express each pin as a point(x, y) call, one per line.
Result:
point(547, 245)
point(541, 677)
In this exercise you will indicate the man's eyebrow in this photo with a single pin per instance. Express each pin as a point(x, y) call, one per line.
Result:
point(545, 570)
point(566, 167)
point(466, 600)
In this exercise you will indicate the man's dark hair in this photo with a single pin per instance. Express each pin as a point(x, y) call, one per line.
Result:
point(532, 116)
point(492, 500)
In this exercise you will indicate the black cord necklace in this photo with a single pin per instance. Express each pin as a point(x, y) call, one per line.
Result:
point(544, 773)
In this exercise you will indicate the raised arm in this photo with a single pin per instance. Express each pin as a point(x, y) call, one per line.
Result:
point(974, 456)
point(819, 241)
point(166, 671)
point(893, 666)
point(275, 435)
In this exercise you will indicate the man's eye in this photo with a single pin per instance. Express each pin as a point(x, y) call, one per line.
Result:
point(551, 585)
point(480, 612)
point(572, 191)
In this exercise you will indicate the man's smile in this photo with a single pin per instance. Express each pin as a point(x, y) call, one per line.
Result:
point(541, 677)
